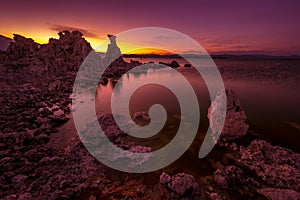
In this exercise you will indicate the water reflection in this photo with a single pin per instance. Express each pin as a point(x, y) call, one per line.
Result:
point(268, 90)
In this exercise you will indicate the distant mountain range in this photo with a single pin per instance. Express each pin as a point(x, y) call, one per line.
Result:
point(4, 42)
point(214, 56)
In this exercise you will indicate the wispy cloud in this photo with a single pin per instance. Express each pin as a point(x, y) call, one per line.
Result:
point(85, 32)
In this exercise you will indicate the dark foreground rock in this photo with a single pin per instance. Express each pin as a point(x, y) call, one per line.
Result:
point(279, 194)
point(276, 166)
point(179, 186)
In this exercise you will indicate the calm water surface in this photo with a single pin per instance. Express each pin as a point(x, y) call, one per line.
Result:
point(269, 92)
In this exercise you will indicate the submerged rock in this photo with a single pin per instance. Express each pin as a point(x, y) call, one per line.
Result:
point(235, 125)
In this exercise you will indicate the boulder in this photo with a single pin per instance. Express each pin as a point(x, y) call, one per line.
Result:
point(277, 166)
point(235, 125)
point(141, 117)
point(174, 64)
point(229, 176)
point(187, 65)
point(181, 185)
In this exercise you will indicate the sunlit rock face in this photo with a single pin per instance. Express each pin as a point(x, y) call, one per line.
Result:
point(235, 125)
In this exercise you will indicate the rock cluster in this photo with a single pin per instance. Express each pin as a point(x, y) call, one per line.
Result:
point(276, 166)
point(111, 66)
point(229, 176)
point(63, 54)
point(20, 51)
point(173, 64)
point(96, 143)
point(66, 53)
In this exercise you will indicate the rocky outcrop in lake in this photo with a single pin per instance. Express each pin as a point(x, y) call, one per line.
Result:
point(235, 125)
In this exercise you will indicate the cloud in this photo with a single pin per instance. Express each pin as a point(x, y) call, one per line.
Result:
point(167, 37)
point(86, 33)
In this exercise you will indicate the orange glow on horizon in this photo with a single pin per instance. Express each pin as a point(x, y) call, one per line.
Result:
point(150, 51)
point(42, 37)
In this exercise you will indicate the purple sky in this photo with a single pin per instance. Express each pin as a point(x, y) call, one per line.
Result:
point(220, 26)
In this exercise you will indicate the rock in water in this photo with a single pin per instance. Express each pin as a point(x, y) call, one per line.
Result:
point(235, 125)
point(174, 64)
point(113, 51)
point(141, 117)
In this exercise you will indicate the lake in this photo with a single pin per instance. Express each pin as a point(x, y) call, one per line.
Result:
point(268, 90)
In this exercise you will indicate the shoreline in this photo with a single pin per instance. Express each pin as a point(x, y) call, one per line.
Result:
point(31, 167)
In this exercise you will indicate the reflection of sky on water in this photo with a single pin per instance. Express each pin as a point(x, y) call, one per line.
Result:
point(268, 91)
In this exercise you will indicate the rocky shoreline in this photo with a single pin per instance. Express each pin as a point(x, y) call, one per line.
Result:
point(36, 84)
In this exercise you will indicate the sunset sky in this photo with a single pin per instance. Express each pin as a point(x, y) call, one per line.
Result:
point(220, 26)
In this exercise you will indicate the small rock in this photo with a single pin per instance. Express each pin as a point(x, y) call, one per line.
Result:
point(215, 196)
point(220, 179)
point(42, 138)
point(179, 185)
point(18, 181)
point(174, 64)
point(141, 116)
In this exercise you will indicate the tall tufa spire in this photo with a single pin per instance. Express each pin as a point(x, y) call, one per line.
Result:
point(113, 51)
